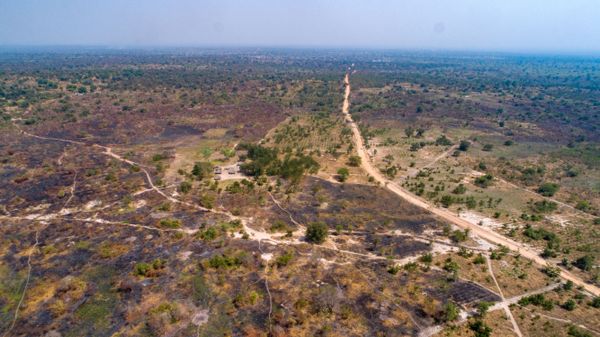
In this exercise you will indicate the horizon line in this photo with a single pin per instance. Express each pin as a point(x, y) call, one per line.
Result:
point(540, 51)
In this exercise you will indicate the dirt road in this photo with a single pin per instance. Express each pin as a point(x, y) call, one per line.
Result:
point(483, 232)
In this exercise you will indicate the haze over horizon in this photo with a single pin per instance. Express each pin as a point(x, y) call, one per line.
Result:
point(510, 25)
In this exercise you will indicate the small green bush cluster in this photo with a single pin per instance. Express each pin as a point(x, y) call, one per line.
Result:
point(317, 232)
point(538, 300)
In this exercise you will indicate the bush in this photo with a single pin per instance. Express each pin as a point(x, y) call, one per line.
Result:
point(585, 262)
point(484, 181)
point(394, 269)
point(284, 260)
point(343, 174)
point(224, 261)
point(482, 308)
point(207, 201)
point(459, 236)
point(460, 189)
point(317, 232)
point(583, 205)
point(279, 226)
point(551, 271)
point(185, 187)
point(488, 147)
point(443, 141)
point(573, 331)
point(548, 189)
point(202, 170)
point(451, 266)
point(426, 258)
point(538, 300)
point(464, 145)
point(447, 201)
point(450, 312)
point(595, 302)
point(480, 329)
point(544, 206)
point(569, 305)
point(149, 270)
point(479, 259)
point(354, 161)
point(142, 268)
point(170, 223)
point(209, 234)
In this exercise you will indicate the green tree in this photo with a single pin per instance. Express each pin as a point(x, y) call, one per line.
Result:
point(316, 232)
point(354, 161)
point(480, 329)
point(450, 312)
point(585, 262)
point(185, 187)
point(548, 189)
point(464, 145)
point(343, 174)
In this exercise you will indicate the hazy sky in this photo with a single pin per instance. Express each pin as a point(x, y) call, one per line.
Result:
point(513, 25)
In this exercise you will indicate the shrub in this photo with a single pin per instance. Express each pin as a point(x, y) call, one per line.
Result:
point(284, 259)
point(548, 189)
point(202, 170)
point(343, 174)
point(585, 262)
point(224, 261)
point(460, 189)
point(170, 223)
point(185, 187)
point(488, 147)
point(142, 269)
point(482, 308)
point(568, 285)
point(538, 300)
point(316, 232)
point(207, 201)
point(447, 200)
point(209, 234)
point(443, 141)
point(450, 312)
point(583, 205)
point(479, 259)
point(394, 269)
point(484, 181)
point(426, 258)
point(551, 271)
point(354, 161)
point(279, 226)
point(459, 236)
point(569, 305)
point(480, 329)
point(595, 302)
point(573, 331)
point(544, 206)
point(464, 145)
point(450, 266)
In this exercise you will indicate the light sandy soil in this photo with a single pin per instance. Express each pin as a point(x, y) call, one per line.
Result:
point(483, 232)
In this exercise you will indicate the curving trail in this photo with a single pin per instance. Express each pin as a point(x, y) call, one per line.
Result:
point(483, 232)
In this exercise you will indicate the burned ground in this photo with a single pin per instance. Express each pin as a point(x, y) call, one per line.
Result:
point(133, 238)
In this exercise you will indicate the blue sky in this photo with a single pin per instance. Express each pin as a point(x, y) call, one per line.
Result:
point(505, 25)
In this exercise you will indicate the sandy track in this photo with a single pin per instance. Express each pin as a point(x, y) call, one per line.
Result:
point(482, 232)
